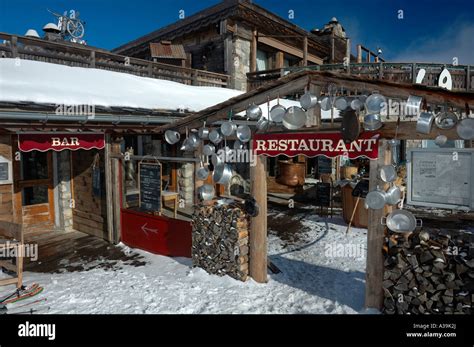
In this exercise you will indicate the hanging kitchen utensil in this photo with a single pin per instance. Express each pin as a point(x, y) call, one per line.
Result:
point(239, 145)
point(206, 192)
point(425, 122)
point(356, 104)
point(375, 103)
point(413, 106)
point(342, 103)
point(263, 124)
point(209, 149)
point(254, 112)
point(222, 173)
point(294, 118)
point(441, 140)
point(401, 221)
point(277, 112)
point(372, 122)
point(172, 137)
point(188, 144)
point(465, 129)
point(395, 145)
point(202, 173)
point(375, 199)
point(326, 103)
point(446, 120)
point(388, 173)
point(243, 132)
point(308, 100)
point(216, 159)
point(228, 127)
point(204, 132)
point(350, 127)
point(445, 80)
point(215, 136)
point(194, 140)
point(393, 195)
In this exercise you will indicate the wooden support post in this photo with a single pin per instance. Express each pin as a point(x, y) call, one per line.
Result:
point(92, 60)
point(279, 60)
point(333, 47)
point(375, 234)
point(359, 54)
point(253, 52)
point(14, 46)
point(258, 227)
point(150, 69)
point(468, 78)
point(305, 51)
point(117, 199)
point(314, 114)
point(413, 73)
point(109, 189)
point(347, 62)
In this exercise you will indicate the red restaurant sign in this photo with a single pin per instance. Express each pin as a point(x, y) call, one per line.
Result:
point(59, 141)
point(311, 145)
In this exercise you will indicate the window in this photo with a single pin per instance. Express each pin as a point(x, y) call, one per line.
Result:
point(34, 165)
point(262, 60)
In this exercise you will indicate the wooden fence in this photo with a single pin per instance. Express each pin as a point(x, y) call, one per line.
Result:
point(462, 75)
point(71, 54)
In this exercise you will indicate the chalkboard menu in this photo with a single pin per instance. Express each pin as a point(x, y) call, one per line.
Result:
point(96, 187)
point(4, 168)
point(149, 181)
point(323, 193)
point(324, 165)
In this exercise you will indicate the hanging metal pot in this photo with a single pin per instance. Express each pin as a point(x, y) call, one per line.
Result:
point(215, 136)
point(393, 195)
point(401, 221)
point(216, 159)
point(222, 173)
point(465, 129)
point(244, 134)
point(446, 120)
point(209, 149)
point(375, 199)
point(425, 122)
point(204, 132)
point(356, 104)
point(308, 101)
point(172, 137)
point(295, 118)
point(194, 140)
point(187, 145)
point(372, 122)
point(263, 124)
point(375, 103)
point(388, 173)
point(228, 128)
point(206, 192)
point(413, 106)
point(254, 112)
point(277, 113)
point(239, 145)
point(342, 103)
point(202, 173)
point(326, 103)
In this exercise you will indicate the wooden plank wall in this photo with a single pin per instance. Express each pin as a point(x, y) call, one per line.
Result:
point(6, 204)
point(89, 213)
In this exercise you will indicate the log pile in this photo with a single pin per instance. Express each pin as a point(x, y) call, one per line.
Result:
point(429, 273)
point(220, 240)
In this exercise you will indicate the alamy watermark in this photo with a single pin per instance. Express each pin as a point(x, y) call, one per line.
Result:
point(13, 250)
point(75, 110)
point(228, 155)
point(345, 250)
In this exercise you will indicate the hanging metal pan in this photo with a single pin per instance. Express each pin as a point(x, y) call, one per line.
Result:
point(375, 103)
point(413, 106)
point(277, 113)
point(202, 173)
point(326, 103)
point(254, 112)
point(308, 101)
point(228, 128)
point(215, 136)
point(209, 149)
point(222, 173)
point(446, 120)
point(263, 124)
point(425, 122)
point(244, 134)
point(294, 118)
point(375, 199)
point(172, 137)
point(465, 129)
point(401, 221)
point(206, 192)
point(388, 173)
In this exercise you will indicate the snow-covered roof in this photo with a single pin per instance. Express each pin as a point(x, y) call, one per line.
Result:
point(45, 83)
point(39, 82)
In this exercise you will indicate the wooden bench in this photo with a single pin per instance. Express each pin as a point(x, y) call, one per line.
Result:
point(11, 240)
point(171, 196)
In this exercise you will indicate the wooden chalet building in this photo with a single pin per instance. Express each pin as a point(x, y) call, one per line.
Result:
point(236, 37)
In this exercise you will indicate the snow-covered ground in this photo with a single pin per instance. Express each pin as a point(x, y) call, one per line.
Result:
point(323, 271)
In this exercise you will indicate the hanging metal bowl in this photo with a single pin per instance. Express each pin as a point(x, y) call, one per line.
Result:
point(254, 112)
point(172, 137)
point(295, 118)
point(277, 113)
point(446, 120)
point(401, 221)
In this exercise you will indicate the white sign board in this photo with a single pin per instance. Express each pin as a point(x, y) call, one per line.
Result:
point(5, 171)
point(441, 177)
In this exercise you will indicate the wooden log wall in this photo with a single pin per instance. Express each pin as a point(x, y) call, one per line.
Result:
point(220, 240)
point(90, 212)
point(429, 272)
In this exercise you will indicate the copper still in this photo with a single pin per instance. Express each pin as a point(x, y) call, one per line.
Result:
point(291, 174)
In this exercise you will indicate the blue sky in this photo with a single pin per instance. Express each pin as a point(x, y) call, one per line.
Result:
point(430, 31)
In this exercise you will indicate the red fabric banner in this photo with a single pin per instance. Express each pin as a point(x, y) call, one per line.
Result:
point(59, 141)
point(313, 144)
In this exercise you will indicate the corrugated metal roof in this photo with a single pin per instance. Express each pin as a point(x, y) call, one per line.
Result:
point(164, 50)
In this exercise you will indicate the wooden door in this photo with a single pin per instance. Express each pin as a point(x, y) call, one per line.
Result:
point(34, 189)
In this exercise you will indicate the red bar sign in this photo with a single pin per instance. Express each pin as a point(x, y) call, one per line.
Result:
point(59, 141)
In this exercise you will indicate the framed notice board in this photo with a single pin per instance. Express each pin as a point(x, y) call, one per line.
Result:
point(441, 177)
point(149, 186)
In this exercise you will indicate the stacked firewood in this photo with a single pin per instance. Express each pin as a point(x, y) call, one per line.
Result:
point(220, 240)
point(429, 273)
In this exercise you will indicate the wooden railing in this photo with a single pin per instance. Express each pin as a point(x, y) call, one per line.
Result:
point(71, 54)
point(462, 75)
